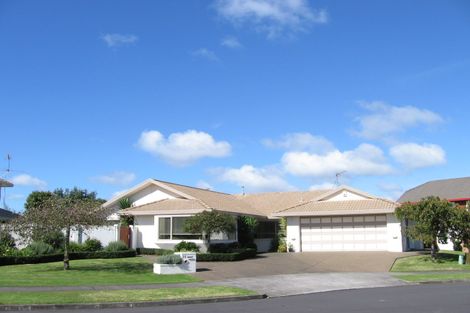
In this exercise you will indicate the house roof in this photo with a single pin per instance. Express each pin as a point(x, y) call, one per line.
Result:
point(167, 206)
point(216, 200)
point(347, 207)
point(454, 188)
point(270, 202)
point(6, 215)
point(191, 200)
point(5, 183)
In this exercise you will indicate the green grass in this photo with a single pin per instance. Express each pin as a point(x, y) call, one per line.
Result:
point(433, 277)
point(446, 261)
point(123, 271)
point(101, 296)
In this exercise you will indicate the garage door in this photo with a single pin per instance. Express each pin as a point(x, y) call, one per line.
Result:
point(344, 233)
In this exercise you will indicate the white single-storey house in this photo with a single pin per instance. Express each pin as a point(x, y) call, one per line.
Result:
point(341, 219)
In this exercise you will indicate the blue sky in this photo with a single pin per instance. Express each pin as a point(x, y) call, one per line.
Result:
point(266, 94)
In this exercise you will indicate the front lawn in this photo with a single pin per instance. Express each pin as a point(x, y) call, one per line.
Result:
point(434, 276)
point(101, 296)
point(446, 261)
point(125, 271)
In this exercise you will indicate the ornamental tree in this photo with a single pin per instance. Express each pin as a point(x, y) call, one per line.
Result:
point(429, 221)
point(62, 210)
point(460, 228)
point(210, 222)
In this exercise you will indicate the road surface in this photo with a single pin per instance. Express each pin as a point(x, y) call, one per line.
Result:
point(445, 298)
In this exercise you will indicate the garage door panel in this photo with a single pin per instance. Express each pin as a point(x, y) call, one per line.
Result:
point(344, 233)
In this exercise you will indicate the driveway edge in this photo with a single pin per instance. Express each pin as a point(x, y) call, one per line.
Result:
point(116, 305)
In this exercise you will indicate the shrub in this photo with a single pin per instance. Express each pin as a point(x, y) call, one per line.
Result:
point(237, 255)
point(223, 247)
point(457, 245)
point(56, 239)
point(22, 259)
point(7, 242)
point(39, 248)
point(92, 244)
point(6, 239)
point(164, 251)
point(116, 246)
point(75, 247)
point(150, 251)
point(186, 246)
point(169, 259)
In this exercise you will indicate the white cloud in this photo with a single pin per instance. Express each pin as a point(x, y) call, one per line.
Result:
point(204, 185)
point(117, 40)
point(392, 191)
point(366, 159)
point(183, 148)
point(254, 179)
point(274, 17)
point(206, 54)
point(28, 180)
point(16, 196)
point(301, 141)
point(118, 193)
point(231, 42)
point(413, 155)
point(322, 186)
point(115, 178)
point(385, 120)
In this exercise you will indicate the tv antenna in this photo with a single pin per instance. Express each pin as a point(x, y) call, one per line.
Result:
point(338, 175)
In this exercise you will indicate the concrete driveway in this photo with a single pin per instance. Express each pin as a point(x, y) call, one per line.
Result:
point(300, 263)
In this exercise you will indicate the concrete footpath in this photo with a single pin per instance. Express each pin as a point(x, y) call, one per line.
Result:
point(288, 285)
point(271, 285)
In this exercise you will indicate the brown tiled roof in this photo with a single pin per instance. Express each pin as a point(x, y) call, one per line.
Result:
point(270, 202)
point(454, 188)
point(167, 206)
point(367, 206)
point(217, 200)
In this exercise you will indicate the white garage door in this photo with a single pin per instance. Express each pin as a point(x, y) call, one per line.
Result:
point(344, 233)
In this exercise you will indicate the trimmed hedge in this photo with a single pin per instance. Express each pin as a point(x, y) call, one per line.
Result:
point(237, 255)
point(150, 251)
point(12, 260)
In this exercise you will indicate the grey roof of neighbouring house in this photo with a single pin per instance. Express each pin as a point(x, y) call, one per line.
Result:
point(454, 188)
point(6, 215)
point(5, 183)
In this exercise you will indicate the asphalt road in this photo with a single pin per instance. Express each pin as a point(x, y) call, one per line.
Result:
point(437, 298)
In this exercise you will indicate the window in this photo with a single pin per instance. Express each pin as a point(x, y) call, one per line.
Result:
point(178, 232)
point(172, 228)
point(266, 229)
point(164, 229)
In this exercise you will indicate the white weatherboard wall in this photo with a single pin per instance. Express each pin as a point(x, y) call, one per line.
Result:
point(146, 232)
point(148, 195)
point(293, 232)
point(345, 195)
point(395, 239)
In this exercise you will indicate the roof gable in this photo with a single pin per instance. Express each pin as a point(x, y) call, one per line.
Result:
point(142, 186)
point(344, 193)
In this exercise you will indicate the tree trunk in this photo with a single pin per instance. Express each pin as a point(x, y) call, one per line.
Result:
point(434, 249)
point(66, 249)
point(208, 240)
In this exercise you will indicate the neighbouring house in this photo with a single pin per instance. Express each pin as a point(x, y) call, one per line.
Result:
point(456, 190)
point(5, 215)
point(341, 219)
